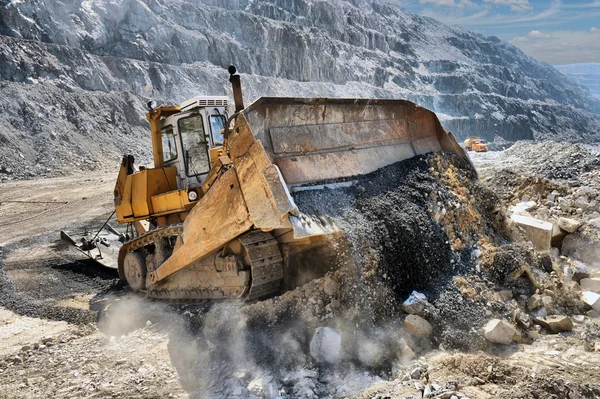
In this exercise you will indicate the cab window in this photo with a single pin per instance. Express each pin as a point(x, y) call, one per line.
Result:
point(194, 144)
point(169, 148)
point(217, 124)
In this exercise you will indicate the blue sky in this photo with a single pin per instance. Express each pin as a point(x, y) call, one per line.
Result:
point(554, 31)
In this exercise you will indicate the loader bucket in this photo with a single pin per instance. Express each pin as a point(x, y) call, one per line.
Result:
point(313, 140)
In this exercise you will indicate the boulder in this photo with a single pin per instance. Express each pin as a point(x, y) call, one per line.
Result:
point(569, 225)
point(592, 299)
point(326, 345)
point(417, 326)
point(555, 324)
point(538, 231)
point(499, 332)
point(590, 284)
point(415, 304)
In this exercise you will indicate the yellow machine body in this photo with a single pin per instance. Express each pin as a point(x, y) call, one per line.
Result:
point(244, 231)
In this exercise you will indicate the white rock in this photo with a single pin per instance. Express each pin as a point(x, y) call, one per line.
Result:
point(590, 284)
point(415, 304)
point(592, 299)
point(569, 225)
point(499, 332)
point(538, 231)
point(326, 345)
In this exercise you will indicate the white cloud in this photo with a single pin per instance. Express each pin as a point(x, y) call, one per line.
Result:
point(536, 34)
point(561, 47)
point(487, 18)
point(515, 5)
point(449, 3)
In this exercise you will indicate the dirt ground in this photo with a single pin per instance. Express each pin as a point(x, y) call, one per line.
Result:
point(54, 342)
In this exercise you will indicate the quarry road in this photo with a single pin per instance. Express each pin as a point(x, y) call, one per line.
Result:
point(69, 329)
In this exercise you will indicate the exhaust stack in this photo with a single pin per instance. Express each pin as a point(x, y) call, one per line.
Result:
point(237, 88)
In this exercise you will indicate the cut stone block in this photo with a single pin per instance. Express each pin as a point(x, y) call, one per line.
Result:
point(538, 231)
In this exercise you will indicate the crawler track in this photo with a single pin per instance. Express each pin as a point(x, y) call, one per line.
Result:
point(261, 255)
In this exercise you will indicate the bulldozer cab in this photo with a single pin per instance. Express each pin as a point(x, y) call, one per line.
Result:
point(190, 138)
point(187, 140)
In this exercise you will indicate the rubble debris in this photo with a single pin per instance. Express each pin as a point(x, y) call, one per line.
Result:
point(499, 332)
point(555, 324)
point(326, 344)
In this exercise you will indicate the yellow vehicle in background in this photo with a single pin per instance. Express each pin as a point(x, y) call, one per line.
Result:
point(475, 144)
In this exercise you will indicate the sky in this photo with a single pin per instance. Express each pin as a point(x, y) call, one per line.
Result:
point(554, 31)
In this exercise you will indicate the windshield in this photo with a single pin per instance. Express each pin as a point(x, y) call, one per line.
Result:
point(195, 147)
point(169, 148)
point(217, 123)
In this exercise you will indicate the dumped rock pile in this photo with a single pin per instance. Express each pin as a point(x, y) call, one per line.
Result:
point(429, 264)
point(416, 225)
point(560, 161)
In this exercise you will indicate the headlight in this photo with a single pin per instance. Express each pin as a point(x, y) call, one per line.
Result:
point(192, 196)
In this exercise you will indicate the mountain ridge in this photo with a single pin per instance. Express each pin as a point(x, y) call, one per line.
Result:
point(171, 50)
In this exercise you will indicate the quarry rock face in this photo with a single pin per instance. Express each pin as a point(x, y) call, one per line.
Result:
point(75, 72)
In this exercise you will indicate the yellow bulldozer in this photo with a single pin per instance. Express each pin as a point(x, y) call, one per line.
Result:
point(215, 218)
